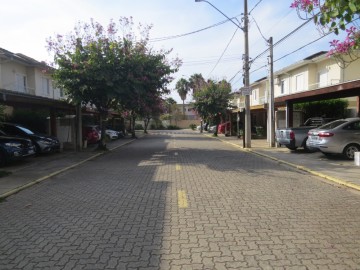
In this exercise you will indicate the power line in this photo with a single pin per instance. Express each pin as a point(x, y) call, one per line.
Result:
point(302, 47)
point(193, 32)
point(255, 6)
point(259, 29)
point(282, 39)
point(227, 46)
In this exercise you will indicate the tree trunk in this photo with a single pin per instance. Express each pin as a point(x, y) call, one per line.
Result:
point(103, 122)
point(146, 124)
point(133, 118)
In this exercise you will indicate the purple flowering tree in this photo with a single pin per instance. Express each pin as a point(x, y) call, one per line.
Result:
point(336, 16)
point(109, 67)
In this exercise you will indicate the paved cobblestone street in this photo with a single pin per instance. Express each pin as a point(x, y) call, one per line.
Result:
point(180, 200)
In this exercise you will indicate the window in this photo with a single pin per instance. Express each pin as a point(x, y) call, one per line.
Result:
point(20, 84)
point(46, 86)
point(353, 126)
point(283, 86)
point(300, 82)
point(322, 78)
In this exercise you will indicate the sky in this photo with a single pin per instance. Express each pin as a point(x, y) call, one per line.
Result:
point(199, 34)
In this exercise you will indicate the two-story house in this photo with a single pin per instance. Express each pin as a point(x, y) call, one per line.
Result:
point(317, 77)
point(25, 84)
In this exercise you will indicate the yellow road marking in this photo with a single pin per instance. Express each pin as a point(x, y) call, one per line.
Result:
point(177, 167)
point(182, 199)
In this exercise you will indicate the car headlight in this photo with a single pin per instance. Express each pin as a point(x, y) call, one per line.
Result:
point(44, 142)
point(13, 144)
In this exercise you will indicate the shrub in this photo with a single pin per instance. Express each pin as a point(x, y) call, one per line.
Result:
point(139, 127)
point(260, 131)
point(173, 127)
point(192, 126)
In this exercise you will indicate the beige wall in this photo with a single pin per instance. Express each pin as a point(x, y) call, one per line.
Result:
point(34, 77)
point(352, 72)
point(8, 72)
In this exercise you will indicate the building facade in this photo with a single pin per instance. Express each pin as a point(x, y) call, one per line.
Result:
point(317, 77)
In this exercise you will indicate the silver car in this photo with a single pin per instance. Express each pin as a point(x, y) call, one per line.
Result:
point(337, 137)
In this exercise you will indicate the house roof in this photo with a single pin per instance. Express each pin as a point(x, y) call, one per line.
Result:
point(310, 59)
point(315, 55)
point(19, 57)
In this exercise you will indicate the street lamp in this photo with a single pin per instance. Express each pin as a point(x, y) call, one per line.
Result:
point(247, 143)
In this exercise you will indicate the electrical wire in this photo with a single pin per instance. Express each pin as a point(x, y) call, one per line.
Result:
point(302, 47)
point(255, 6)
point(227, 46)
point(282, 39)
point(193, 32)
point(266, 40)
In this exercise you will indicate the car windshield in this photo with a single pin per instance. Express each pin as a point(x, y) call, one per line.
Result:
point(27, 131)
point(333, 124)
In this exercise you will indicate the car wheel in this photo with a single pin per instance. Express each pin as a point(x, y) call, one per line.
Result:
point(307, 149)
point(291, 148)
point(349, 150)
point(37, 149)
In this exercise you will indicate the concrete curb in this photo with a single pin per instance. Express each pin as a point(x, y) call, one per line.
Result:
point(302, 168)
point(41, 179)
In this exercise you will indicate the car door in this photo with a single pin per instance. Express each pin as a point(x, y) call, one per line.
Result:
point(351, 133)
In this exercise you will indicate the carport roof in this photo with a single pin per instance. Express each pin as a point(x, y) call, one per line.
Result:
point(13, 98)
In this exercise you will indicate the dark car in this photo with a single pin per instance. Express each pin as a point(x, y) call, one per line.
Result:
point(14, 148)
point(43, 143)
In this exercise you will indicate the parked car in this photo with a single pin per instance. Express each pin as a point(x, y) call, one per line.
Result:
point(295, 137)
point(91, 133)
point(337, 137)
point(14, 148)
point(112, 134)
point(43, 143)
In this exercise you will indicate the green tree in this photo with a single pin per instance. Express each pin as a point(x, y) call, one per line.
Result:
point(108, 68)
point(196, 82)
point(212, 101)
point(149, 75)
point(182, 87)
point(334, 15)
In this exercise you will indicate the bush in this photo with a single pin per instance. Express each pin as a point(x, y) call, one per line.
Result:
point(139, 127)
point(172, 127)
point(260, 131)
point(192, 126)
point(333, 108)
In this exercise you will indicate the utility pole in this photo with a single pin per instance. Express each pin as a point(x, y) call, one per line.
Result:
point(246, 68)
point(271, 109)
point(247, 78)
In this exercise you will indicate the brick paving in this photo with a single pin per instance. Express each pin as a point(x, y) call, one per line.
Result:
point(122, 211)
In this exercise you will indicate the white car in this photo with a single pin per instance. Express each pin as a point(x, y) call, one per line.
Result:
point(112, 134)
point(337, 137)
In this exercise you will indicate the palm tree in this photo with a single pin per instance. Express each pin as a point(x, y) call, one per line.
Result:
point(182, 87)
point(197, 82)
